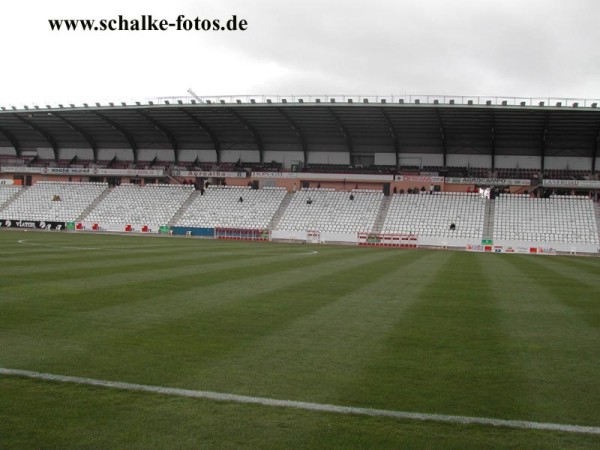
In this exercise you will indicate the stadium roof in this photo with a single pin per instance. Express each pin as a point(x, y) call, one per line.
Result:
point(358, 125)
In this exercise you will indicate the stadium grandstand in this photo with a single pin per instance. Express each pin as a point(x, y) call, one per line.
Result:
point(477, 173)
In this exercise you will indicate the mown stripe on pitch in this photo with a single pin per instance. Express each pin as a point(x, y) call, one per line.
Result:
point(556, 348)
point(446, 351)
point(319, 349)
point(320, 407)
point(580, 295)
point(154, 304)
point(89, 281)
point(572, 267)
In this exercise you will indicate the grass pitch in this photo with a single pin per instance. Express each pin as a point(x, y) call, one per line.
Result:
point(501, 336)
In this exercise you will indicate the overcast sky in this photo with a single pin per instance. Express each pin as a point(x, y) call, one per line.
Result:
point(521, 48)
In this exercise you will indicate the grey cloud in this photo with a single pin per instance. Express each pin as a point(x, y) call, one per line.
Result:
point(483, 47)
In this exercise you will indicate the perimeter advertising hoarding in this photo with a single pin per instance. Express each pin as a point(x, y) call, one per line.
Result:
point(488, 181)
point(582, 184)
point(420, 178)
point(207, 174)
point(90, 171)
point(32, 224)
point(308, 176)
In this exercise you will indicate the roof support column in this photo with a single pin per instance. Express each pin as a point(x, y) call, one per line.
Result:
point(493, 139)
point(165, 132)
point(298, 131)
point(595, 154)
point(207, 130)
point(443, 137)
point(543, 142)
point(13, 141)
point(394, 136)
point(128, 137)
point(81, 132)
point(346, 135)
point(39, 130)
point(253, 133)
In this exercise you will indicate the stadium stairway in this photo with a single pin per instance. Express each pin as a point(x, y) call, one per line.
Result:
point(382, 214)
point(279, 213)
point(13, 198)
point(488, 220)
point(95, 203)
point(173, 179)
point(184, 207)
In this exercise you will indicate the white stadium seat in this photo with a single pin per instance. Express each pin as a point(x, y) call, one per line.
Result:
point(330, 210)
point(558, 219)
point(432, 215)
point(220, 206)
point(53, 201)
point(7, 192)
point(150, 204)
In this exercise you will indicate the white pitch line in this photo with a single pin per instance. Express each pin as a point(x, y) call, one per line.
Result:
point(465, 420)
point(24, 241)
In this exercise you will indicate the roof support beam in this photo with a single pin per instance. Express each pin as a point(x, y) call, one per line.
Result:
point(165, 132)
point(543, 141)
point(39, 130)
point(128, 137)
point(345, 133)
point(13, 140)
point(595, 154)
point(394, 136)
point(493, 138)
point(252, 131)
point(298, 131)
point(206, 130)
point(81, 132)
point(443, 137)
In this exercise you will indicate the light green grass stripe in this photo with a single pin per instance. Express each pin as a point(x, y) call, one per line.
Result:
point(446, 351)
point(92, 279)
point(97, 320)
point(218, 396)
point(547, 323)
point(570, 267)
point(321, 350)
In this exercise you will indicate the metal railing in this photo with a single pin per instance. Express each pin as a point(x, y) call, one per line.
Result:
point(394, 99)
point(464, 100)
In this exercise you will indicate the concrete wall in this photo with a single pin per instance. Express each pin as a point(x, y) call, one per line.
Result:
point(284, 157)
point(8, 151)
point(82, 153)
point(421, 159)
point(329, 158)
point(521, 162)
point(160, 154)
point(202, 155)
point(569, 162)
point(385, 159)
point(235, 155)
point(454, 160)
point(122, 154)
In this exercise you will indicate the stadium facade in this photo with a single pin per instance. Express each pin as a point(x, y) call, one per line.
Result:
point(391, 145)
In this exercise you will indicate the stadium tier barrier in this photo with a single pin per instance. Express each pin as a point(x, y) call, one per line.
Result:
point(284, 235)
point(388, 240)
point(119, 227)
point(321, 237)
point(243, 234)
point(33, 224)
point(193, 231)
point(512, 246)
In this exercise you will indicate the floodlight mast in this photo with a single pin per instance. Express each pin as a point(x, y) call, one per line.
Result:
point(193, 94)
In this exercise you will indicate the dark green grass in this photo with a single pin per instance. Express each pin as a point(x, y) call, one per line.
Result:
point(502, 336)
